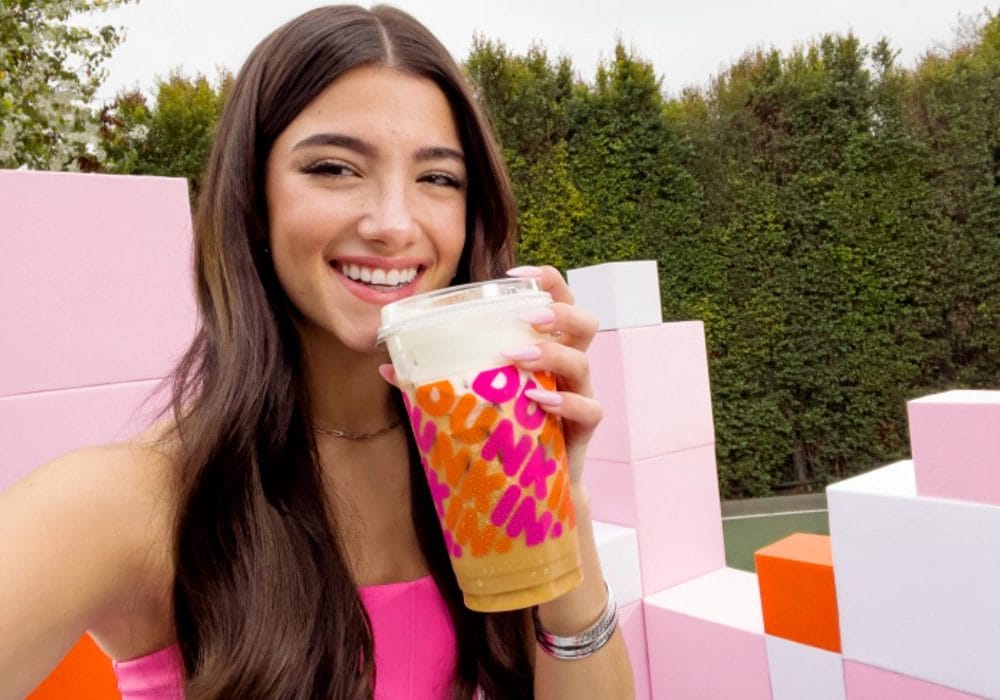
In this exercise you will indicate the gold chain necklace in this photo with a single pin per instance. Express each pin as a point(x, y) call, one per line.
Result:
point(347, 435)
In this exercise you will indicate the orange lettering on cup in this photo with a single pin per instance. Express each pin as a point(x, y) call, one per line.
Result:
point(437, 398)
point(480, 429)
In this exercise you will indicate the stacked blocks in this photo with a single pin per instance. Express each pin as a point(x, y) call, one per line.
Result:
point(651, 468)
point(96, 306)
point(799, 604)
point(652, 458)
point(917, 580)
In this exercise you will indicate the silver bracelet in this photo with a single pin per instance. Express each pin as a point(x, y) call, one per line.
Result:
point(579, 646)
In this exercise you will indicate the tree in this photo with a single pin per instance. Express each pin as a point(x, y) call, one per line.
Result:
point(173, 138)
point(50, 69)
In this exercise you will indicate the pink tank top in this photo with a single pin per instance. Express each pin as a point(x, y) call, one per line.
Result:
point(414, 648)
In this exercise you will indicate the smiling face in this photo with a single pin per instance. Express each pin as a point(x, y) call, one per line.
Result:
point(366, 196)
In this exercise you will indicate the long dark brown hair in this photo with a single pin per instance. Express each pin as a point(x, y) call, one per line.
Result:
point(264, 603)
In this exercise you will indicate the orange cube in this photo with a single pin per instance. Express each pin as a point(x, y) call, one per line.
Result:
point(85, 672)
point(797, 592)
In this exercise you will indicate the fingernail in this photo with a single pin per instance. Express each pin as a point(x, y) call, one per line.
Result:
point(525, 271)
point(388, 373)
point(542, 396)
point(538, 316)
point(528, 352)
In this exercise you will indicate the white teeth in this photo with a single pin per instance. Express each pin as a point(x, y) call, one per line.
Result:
point(375, 275)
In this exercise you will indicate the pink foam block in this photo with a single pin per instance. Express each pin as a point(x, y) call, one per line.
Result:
point(653, 385)
point(631, 619)
point(864, 682)
point(955, 437)
point(706, 639)
point(36, 428)
point(95, 279)
point(673, 502)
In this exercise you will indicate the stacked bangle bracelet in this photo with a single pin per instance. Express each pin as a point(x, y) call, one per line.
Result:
point(580, 646)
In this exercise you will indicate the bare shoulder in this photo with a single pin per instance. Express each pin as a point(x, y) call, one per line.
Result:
point(85, 536)
point(127, 488)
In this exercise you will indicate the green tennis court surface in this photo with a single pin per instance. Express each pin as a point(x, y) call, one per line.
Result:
point(754, 523)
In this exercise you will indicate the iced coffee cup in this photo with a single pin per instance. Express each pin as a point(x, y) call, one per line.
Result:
point(495, 462)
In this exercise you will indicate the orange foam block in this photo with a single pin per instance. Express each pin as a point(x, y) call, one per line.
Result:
point(85, 672)
point(797, 592)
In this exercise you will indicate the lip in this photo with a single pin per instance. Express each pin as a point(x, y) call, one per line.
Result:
point(364, 292)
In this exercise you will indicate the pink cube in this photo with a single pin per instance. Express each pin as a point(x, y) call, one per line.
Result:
point(955, 437)
point(653, 385)
point(95, 279)
point(706, 640)
point(633, 625)
point(36, 428)
point(864, 682)
point(673, 503)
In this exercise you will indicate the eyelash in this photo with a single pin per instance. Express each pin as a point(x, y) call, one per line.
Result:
point(444, 180)
point(337, 169)
point(327, 167)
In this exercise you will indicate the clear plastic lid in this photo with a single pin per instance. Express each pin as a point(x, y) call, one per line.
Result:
point(453, 303)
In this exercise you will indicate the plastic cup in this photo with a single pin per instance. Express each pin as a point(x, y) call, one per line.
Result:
point(495, 462)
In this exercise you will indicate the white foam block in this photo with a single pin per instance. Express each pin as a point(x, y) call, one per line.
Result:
point(620, 294)
point(801, 671)
point(726, 596)
point(917, 580)
point(618, 550)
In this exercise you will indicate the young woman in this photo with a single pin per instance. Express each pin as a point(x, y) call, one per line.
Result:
point(253, 545)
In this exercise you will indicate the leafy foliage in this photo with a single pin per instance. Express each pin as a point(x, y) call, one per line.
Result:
point(171, 138)
point(832, 218)
point(50, 69)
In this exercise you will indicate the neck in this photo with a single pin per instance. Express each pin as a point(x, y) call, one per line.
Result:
point(346, 389)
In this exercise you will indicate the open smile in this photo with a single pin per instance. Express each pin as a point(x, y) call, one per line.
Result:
point(377, 284)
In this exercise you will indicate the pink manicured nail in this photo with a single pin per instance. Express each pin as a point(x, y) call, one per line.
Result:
point(388, 373)
point(542, 396)
point(525, 271)
point(538, 316)
point(528, 352)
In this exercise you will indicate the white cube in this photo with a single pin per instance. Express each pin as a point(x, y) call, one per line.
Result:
point(618, 550)
point(917, 580)
point(801, 671)
point(620, 294)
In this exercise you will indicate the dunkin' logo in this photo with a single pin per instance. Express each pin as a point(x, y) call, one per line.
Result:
point(495, 461)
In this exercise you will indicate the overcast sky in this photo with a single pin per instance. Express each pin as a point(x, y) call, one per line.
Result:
point(687, 42)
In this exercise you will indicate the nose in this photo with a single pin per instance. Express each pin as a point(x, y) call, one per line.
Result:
point(389, 218)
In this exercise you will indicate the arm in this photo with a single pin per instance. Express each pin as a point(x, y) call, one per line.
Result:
point(607, 673)
point(65, 560)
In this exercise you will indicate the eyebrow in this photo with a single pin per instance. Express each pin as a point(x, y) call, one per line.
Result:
point(367, 148)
